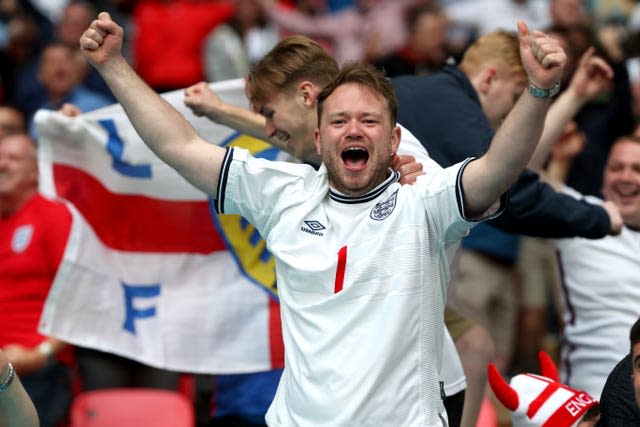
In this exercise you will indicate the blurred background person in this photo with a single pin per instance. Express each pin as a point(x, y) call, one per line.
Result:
point(36, 231)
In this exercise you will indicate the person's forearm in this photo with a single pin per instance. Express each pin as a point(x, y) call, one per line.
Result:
point(16, 408)
point(487, 178)
point(561, 111)
point(243, 120)
point(253, 124)
point(160, 126)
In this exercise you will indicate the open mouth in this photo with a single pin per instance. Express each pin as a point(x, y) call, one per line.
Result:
point(628, 194)
point(355, 157)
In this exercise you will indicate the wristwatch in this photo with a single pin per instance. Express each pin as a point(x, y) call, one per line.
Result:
point(538, 92)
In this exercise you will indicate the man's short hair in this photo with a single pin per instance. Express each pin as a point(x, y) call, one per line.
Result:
point(366, 75)
point(291, 60)
point(499, 48)
point(634, 334)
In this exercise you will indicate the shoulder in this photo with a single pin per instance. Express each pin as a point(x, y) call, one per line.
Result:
point(51, 207)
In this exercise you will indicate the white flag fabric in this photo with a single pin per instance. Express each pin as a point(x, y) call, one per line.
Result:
point(149, 272)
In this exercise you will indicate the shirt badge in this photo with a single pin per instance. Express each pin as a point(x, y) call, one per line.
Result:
point(21, 238)
point(383, 209)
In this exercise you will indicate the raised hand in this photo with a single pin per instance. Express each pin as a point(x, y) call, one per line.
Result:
point(204, 102)
point(592, 77)
point(408, 168)
point(542, 57)
point(102, 41)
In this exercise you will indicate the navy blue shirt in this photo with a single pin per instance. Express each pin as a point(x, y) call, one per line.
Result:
point(444, 112)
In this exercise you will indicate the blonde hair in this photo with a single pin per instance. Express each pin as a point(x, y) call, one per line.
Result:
point(290, 61)
point(499, 48)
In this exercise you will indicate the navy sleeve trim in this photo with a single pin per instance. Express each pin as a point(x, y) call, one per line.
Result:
point(460, 197)
point(222, 181)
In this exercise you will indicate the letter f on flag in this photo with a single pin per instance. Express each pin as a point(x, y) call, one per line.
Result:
point(132, 292)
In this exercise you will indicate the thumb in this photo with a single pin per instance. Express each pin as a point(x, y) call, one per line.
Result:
point(523, 35)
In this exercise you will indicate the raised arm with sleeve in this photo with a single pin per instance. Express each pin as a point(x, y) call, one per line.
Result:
point(203, 101)
point(167, 133)
point(443, 111)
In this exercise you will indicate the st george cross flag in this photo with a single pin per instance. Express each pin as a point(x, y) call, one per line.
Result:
point(149, 271)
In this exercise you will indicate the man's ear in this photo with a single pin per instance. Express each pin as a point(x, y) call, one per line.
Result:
point(395, 139)
point(317, 141)
point(483, 80)
point(309, 92)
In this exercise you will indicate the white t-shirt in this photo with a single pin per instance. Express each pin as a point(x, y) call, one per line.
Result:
point(362, 284)
point(452, 372)
point(600, 282)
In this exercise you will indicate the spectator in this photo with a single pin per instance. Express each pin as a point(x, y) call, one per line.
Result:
point(426, 49)
point(541, 400)
point(232, 48)
point(307, 69)
point(60, 73)
point(619, 403)
point(29, 92)
point(599, 279)
point(347, 177)
point(292, 136)
point(470, 102)
point(37, 230)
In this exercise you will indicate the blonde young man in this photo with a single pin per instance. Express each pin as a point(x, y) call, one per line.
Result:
point(361, 349)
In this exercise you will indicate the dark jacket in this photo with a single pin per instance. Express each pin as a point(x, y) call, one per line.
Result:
point(443, 111)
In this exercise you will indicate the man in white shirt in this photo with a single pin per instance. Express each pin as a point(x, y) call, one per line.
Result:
point(360, 347)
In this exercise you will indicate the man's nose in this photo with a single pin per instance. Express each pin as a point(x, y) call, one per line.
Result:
point(270, 129)
point(354, 129)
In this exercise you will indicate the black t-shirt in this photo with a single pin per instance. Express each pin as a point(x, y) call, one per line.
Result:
point(618, 404)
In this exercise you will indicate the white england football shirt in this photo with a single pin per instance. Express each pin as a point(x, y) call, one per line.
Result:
point(451, 371)
point(362, 285)
point(600, 281)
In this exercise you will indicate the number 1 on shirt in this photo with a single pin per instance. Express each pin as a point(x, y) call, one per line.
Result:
point(342, 263)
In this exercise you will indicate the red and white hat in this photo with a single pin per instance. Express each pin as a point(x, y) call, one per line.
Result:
point(540, 400)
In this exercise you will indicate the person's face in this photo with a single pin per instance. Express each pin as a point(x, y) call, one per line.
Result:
point(76, 17)
point(621, 183)
point(567, 12)
point(356, 139)
point(11, 122)
point(635, 376)
point(292, 118)
point(60, 70)
point(500, 96)
point(430, 37)
point(18, 165)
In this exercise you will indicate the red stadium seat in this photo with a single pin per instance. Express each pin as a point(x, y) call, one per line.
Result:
point(132, 407)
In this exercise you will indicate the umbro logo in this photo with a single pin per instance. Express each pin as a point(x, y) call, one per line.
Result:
point(313, 227)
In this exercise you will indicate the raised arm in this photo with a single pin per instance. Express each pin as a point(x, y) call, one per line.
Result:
point(204, 102)
point(167, 133)
point(592, 78)
point(486, 178)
